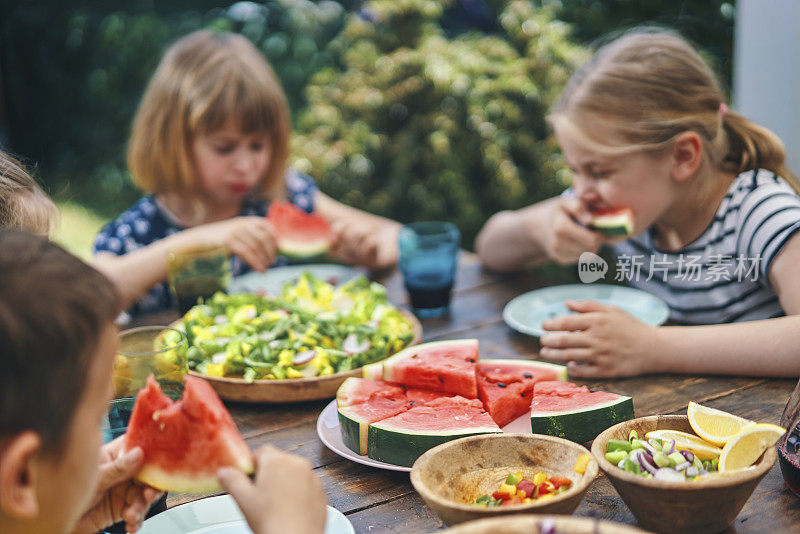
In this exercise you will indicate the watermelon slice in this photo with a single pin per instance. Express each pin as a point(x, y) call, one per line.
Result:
point(301, 235)
point(185, 442)
point(613, 222)
point(506, 386)
point(423, 396)
point(446, 366)
point(573, 412)
point(401, 439)
point(360, 402)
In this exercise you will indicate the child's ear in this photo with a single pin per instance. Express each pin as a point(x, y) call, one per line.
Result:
point(687, 155)
point(18, 475)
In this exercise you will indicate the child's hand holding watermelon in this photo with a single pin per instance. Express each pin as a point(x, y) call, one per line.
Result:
point(372, 247)
point(285, 497)
point(117, 497)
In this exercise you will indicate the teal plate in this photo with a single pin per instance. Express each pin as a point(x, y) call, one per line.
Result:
point(272, 280)
point(526, 312)
point(220, 515)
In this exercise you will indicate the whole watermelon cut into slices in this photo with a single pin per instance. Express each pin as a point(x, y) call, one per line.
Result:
point(301, 235)
point(573, 412)
point(403, 438)
point(444, 366)
point(506, 386)
point(187, 441)
point(360, 402)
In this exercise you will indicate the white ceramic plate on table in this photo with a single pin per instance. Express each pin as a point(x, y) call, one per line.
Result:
point(220, 515)
point(526, 312)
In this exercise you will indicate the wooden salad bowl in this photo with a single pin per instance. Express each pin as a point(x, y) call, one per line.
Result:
point(701, 506)
point(291, 389)
point(531, 524)
point(452, 475)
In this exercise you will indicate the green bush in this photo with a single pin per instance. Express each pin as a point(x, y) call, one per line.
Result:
point(416, 126)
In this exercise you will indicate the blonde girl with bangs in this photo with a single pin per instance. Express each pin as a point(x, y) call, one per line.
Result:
point(209, 148)
point(715, 214)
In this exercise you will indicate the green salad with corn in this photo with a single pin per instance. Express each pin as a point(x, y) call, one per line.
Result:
point(311, 329)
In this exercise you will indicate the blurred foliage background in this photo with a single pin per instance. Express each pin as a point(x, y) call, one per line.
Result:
point(413, 109)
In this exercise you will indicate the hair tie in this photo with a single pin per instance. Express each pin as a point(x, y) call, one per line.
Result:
point(723, 110)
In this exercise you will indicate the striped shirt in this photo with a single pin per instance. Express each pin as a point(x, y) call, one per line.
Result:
point(722, 276)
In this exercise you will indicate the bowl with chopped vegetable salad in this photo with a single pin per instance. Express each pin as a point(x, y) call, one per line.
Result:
point(491, 475)
point(296, 346)
point(669, 477)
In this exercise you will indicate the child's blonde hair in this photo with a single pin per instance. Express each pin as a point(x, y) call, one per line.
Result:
point(23, 205)
point(650, 86)
point(204, 82)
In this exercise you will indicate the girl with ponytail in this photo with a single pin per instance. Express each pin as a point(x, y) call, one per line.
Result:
point(714, 215)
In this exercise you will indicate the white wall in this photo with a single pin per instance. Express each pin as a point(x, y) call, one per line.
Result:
point(766, 78)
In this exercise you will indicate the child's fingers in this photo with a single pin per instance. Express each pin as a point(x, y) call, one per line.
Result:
point(237, 484)
point(123, 467)
point(575, 209)
point(564, 340)
point(568, 322)
point(586, 306)
point(246, 250)
point(567, 355)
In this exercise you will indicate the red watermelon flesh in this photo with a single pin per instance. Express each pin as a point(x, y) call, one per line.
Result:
point(446, 366)
point(506, 386)
point(364, 390)
point(441, 415)
point(187, 441)
point(566, 396)
point(300, 234)
point(417, 396)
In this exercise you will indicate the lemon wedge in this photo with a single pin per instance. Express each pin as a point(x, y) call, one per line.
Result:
point(743, 449)
point(715, 426)
point(687, 442)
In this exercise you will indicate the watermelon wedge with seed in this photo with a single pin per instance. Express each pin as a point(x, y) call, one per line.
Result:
point(187, 441)
point(403, 438)
point(445, 366)
point(566, 410)
point(301, 235)
point(506, 386)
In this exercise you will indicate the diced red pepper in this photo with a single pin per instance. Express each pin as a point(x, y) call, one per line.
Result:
point(497, 496)
point(544, 488)
point(527, 486)
point(557, 482)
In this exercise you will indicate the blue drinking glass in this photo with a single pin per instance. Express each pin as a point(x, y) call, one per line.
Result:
point(428, 256)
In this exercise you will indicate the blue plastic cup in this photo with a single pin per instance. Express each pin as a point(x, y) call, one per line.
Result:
point(428, 259)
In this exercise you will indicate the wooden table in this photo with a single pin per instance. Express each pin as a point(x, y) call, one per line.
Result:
point(376, 500)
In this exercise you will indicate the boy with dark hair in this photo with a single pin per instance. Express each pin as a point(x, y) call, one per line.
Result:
point(57, 347)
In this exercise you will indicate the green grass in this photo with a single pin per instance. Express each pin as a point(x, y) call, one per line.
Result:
point(78, 228)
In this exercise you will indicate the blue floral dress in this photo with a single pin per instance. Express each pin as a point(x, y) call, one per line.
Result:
point(145, 223)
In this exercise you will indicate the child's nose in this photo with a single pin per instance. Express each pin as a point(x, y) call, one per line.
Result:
point(584, 189)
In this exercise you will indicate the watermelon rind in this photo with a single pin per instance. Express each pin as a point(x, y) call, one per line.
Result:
point(303, 250)
point(387, 443)
point(613, 224)
point(561, 370)
point(354, 430)
point(193, 482)
point(583, 424)
point(373, 371)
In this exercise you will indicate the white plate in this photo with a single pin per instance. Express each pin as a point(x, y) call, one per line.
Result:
point(328, 431)
point(272, 280)
point(526, 312)
point(221, 515)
